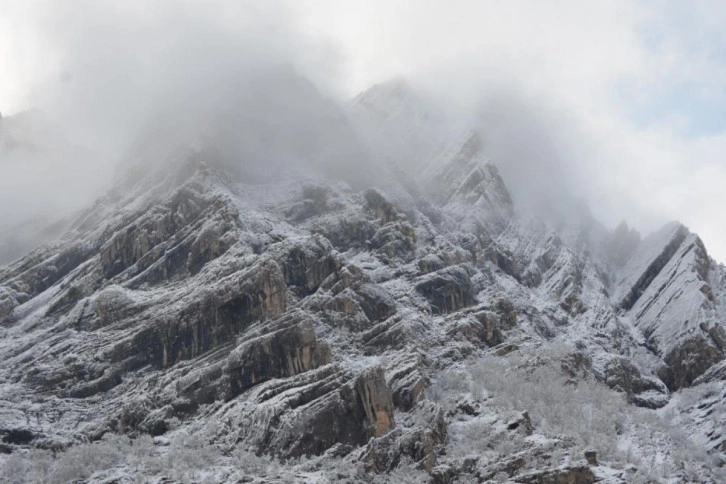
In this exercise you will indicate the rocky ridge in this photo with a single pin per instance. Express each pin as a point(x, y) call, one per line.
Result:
point(315, 320)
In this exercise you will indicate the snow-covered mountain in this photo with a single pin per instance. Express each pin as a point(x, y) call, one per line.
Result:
point(407, 325)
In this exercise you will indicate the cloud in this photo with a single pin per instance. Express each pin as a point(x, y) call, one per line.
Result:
point(133, 81)
point(110, 64)
point(616, 102)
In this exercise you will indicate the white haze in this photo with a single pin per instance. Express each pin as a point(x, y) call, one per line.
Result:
point(554, 87)
point(135, 81)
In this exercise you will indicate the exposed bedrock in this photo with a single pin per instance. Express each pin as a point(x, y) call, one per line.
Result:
point(309, 413)
point(282, 353)
point(447, 290)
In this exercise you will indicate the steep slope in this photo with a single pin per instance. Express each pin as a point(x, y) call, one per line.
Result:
point(665, 289)
point(423, 329)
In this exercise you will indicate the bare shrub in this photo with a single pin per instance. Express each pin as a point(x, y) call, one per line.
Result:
point(76, 463)
point(253, 465)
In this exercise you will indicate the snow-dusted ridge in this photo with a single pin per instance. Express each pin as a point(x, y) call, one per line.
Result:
point(419, 328)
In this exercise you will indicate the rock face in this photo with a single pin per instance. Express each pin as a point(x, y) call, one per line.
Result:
point(282, 353)
point(323, 321)
point(447, 290)
point(666, 291)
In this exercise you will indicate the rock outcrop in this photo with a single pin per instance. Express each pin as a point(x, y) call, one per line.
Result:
point(371, 330)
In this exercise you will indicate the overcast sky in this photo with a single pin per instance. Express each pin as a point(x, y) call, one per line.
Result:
point(627, 98)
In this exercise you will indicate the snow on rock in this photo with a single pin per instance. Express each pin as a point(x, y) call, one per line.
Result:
point(315, 319)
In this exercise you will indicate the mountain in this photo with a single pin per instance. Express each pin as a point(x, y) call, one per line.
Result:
point(203, 323)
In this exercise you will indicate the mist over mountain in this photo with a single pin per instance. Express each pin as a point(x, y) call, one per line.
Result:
point(217, 265)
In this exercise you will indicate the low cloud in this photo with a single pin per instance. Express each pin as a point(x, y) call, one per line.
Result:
point(594, 101)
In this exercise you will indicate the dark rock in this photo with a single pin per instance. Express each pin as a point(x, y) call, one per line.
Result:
point(576, 365)
point(394, 240)
point(376, 303)
point(306, 266)
point(352, 414)
point(384, 454)
point(521, 424)
point(407, 381)
point(468, 407)
point(591, 457)
point(17, 436)
point(282, 353)
point(620, 373)
point(8, 302)
point(430, 263)
point(447, 290)
point(691, 359)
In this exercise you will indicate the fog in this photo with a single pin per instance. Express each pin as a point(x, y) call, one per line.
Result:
point(603, 103)
point(133, 83)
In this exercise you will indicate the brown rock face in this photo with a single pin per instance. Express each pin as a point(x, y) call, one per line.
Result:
point(215, 320)
point(330, 407)
point(621, 374)
point(384, 454)
point(283, 353)
point(377, 401)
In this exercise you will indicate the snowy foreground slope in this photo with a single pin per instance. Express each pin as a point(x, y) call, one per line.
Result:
point(195, 327)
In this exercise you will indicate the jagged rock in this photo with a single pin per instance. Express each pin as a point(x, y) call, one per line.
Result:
point(351, 232)
point(714, 373)
point(306, 266)
point(130, 244)
point(394, 240)
point(430, 263)
point(691, 359)
point(335, 409)
point(521, 423)
point(345, 302)
point(366, 305)
point(576, 365)
point(376, 303)
point(447, 290)
point(643, 391)
point(383, 455)
point(666, 288)
point(465, 179)
point(258, 318)
point(349, 276)
point(282, 353)
point(408, 380)
point(377, 401)
point(654, 267)
point(7, 304)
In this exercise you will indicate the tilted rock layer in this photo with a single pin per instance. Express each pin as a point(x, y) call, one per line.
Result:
point(311, 319)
